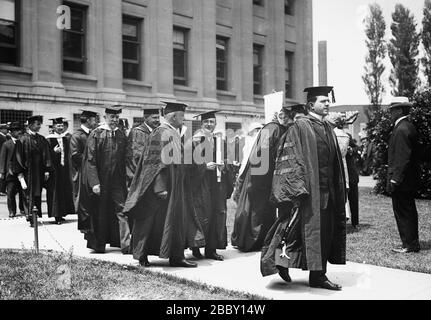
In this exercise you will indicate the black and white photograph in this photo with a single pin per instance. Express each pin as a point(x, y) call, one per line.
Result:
point(215, 156)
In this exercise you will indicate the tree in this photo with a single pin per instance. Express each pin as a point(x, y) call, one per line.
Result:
point(403, 51)
point(426, 41)
point(374, 62)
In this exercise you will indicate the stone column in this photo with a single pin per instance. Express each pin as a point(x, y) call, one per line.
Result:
point(161, 24)
point(275, 48)
point(246, 41)
point(112, 50)
point(47, 60)
point(208, 27)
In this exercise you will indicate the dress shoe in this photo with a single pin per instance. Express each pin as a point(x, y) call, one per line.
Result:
point(126, 250)
point(12, 215)
point(183, 263)
point(99, 251)
point(404, 250)
point(326, 285)
point(197, 253)
point(284, 273)
point(144, 262)
point(214, 256)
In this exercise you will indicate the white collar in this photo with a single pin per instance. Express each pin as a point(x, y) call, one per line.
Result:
point(106, 127)
point(181, 132)
point(399, 120)
point(315, 115)
point(2, 134)
point(149, 128)
point(55, 136)
point(32, 133)
point(13, 139)
point(86, 130)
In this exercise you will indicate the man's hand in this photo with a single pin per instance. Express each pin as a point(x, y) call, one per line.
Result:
point(46, 176)
point(57, 149)
point(97, 190)
point(162, 195)
point(211, 166)
point(1, 176)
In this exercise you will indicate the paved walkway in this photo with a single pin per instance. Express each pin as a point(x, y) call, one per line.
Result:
point(238, 272)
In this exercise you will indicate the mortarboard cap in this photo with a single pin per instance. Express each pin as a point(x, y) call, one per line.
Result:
point(33, 119)
point(15, 126)
point(117, 109)
point(57, 120)
point(173, 107)
point(295, 107)
point(149, 112)
point(88, 113)
point(207, 115)
point(319, 91)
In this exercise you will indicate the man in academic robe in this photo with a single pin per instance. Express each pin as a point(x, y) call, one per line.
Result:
point(4, 130)
point(255, 214)
point(309, 191)
point(212, 185)
point(32, 165)
point(103, 187)
point(159, 199)
point(138, 141)
point(78, 142)
point(59, 196)
point(404, 174)
point(13, 186)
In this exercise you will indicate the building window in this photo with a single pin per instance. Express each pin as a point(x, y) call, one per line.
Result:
point(222, 63)
point(289, 75)
point(257, 69)
point(288, 7)
point(180, 56)
point(20, 116)
point(9, 32)
point(74, 48)
point(131, 48)
point(258, 2)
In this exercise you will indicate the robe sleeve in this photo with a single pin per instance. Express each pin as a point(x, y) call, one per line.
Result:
point(47, 162)
point(130, 157)
point(160, 182)
point(93, 176)
point(18, 165)
point(76, 151)
point(3, 160)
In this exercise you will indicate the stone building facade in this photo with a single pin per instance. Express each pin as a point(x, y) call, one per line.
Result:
point(211, 54)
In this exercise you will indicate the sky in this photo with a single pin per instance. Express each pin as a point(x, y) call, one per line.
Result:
point(339, 22)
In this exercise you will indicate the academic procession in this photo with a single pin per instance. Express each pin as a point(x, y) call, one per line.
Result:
point(160, 189)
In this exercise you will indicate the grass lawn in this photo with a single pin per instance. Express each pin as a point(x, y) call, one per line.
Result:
point(24, 275)
point(378, 234)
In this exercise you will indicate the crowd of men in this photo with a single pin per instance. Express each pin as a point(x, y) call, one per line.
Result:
point(158, 190)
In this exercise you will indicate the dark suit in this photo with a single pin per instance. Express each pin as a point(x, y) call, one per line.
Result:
point(3, 139)
point(11, 181)
point(403, 168)
point(78, 142)
point(352, 168)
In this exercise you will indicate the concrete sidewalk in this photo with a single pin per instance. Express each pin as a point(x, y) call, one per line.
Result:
point(239, 271)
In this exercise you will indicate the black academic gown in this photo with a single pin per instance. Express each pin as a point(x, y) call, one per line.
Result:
point(78, 142)
point(32, 159)
point(255, 214)
point(309, 170)
point(162, 227)
point(137, 143)
point(59, 187)
point(104, 165)
point(209, 195)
